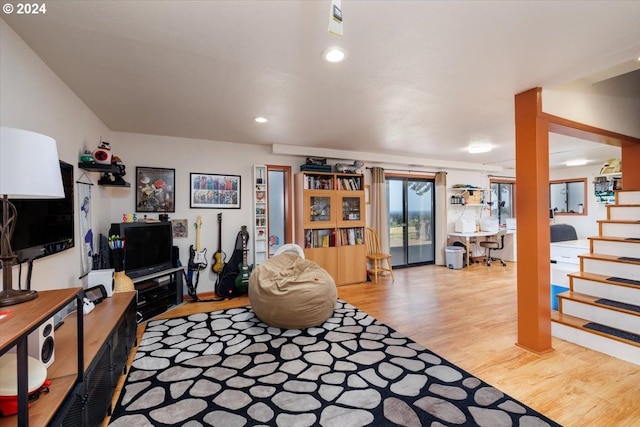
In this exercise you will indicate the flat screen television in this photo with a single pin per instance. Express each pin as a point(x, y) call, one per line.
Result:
point(44, 226)
point(148, 247)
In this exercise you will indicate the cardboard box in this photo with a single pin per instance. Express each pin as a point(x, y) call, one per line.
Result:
point(473, 197)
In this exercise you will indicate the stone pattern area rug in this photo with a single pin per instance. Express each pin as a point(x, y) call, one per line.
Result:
point(227, 368)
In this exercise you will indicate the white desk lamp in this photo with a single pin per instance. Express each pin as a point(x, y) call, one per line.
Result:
point(29, 169)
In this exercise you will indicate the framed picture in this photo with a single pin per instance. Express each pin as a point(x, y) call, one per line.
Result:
point(155, 189)
point(180, 228)
point(214, 191)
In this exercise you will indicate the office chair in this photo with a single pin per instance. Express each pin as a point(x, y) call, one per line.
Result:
point(562, 232)
point(375, 255)
point(495, 245)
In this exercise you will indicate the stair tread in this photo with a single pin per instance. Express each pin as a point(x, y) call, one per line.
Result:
point(616, 239)
point(578, 323)
point(623, 306)
point(592, 300)
point(614, 332)
point(604, 278)
point(615, 258)
point(618, 221)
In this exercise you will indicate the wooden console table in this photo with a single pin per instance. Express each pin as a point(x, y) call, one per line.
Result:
point(14, 330)
point(90, 355)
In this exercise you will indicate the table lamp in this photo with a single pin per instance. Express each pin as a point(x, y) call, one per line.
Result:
point(29, 169)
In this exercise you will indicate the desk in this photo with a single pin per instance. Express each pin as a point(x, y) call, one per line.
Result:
point(468, 237)
point(474, 234)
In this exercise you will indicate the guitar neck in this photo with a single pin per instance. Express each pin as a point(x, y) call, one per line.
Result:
point(219, 232)
point(198, 226)
point(244, 246)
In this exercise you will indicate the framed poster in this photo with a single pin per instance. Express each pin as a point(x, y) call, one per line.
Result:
point(180, 228)
point(214, 191)
point(155, 189)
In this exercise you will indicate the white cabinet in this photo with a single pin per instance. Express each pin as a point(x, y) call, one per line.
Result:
point(564, 259)
point(260, 216)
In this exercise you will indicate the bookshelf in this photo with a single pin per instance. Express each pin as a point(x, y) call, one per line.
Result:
point(260, 219)
point(330, 221)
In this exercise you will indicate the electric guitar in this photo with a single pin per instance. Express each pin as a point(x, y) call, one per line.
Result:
point(197, 257)
point(244, 270)
point(219, 256)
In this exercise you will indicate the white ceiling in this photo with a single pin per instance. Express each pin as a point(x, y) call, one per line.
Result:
point(423, 79)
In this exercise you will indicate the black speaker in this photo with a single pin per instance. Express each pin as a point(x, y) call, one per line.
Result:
point(175, 258)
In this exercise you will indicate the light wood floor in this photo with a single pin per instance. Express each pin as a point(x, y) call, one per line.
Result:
point(469, 318)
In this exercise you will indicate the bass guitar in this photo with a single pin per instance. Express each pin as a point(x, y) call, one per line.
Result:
point(197, 257)
point(219, 256)
point(244, 270)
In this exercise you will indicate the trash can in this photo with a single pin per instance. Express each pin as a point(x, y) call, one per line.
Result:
point(454, 256)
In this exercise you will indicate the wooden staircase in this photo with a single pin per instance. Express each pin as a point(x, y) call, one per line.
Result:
point(606, 290)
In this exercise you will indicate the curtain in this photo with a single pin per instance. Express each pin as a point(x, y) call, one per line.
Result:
point(379, 216)
point(440, 231)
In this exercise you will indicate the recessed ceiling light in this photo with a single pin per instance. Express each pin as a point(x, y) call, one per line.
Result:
point(261, 119)
point(577, 162)
point(334, 54)
point(480, 148)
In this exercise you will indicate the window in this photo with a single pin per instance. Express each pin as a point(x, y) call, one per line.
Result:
point(502, 199)
point(568, 196)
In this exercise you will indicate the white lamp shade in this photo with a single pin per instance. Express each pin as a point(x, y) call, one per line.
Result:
point(29, 165)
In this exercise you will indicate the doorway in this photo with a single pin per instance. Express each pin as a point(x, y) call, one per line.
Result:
point(410, 207)
point(279, 207)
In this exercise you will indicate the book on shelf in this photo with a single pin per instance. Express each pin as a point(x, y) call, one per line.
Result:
point(313, 182)
point(323, 238)
point(351, 236)
point(349, 184)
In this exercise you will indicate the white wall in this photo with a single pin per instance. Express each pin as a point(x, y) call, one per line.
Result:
point(35, 99)
point(617, 114)
point(585, 225)
point(457, 212)
point(472, 213)
point(194, 156)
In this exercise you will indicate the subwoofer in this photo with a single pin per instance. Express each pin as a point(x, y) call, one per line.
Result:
point(41, 343)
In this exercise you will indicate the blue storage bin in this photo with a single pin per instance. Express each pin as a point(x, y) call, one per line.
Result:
point(555, 290)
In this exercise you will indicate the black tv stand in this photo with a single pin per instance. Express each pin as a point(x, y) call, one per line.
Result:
point(159, 291)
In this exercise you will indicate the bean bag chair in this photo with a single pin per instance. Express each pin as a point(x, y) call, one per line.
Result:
point(290, 292)
point(290, 247)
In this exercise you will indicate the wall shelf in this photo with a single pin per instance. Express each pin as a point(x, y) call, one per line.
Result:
point(111, 176)
point(260, 215)
point(604, 187)
point(467, 196)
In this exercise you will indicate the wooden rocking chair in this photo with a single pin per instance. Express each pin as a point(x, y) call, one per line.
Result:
point(375, 255)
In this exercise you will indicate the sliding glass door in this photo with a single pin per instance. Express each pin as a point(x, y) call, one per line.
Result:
point(411, 220)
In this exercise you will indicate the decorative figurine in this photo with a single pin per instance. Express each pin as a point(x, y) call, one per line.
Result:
point(103, 154)
point(87, 157)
